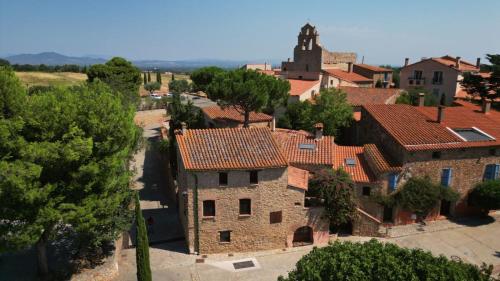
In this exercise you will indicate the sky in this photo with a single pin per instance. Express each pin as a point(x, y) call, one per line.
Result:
point(383, 31)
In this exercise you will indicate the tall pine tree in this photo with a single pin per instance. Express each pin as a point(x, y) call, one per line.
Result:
point(158, 77)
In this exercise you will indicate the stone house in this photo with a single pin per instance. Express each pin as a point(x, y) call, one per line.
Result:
point(229, 117)
point(238, 193)
point(455, 146)
point(440, 76)
point(375, 73)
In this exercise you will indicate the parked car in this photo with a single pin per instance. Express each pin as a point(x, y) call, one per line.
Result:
point(155, 96)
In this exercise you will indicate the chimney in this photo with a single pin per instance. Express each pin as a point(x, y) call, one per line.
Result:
point(184, 127)
point(273, 124)
point(457, 64)
point(349, 67)
point(478, 62)
point(440, 116)
point(486, 106)
point(421, 99)
point(407, 60)
point(288, 60)
point(318, 133)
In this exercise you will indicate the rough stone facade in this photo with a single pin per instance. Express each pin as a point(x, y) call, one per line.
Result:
point(248, 232)
point(309, 57)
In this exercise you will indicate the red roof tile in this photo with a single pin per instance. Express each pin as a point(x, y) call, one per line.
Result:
point(298, 178)
point(374, 68)
point(451, 62)
point(360, 171)
point(298, 87)
point(359, 95)
point(347, 76)
point(220, 114)
point(301, 147)
point(416, 128)
point(229, 149)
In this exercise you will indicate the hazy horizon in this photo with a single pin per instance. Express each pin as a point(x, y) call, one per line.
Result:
point(384, 32)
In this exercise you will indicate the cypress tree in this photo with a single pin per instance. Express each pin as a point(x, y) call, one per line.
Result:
point(145, 78)
point(149, 76)
point(142, 245)
point(158, 77)
point(173, 77)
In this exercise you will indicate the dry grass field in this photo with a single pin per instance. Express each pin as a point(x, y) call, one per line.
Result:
point(51, 79)
point(165, 79)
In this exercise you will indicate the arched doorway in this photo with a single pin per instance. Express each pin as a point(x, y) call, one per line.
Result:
point(303, 236)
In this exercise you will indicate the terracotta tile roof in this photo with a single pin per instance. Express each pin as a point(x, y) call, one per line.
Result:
point(373, 68)
point(301, 147)
point(230, 114)
point(415, 128)
point(359, 96)
point(451, 62)
point(298, 178)
point(298, 87)
point(360, 171)
point(379, 163)
point(347, 76)
point(229, 149)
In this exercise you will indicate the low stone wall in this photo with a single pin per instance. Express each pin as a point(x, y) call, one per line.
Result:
point(105, 272)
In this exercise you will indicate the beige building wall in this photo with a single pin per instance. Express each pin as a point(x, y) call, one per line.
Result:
point(248, 232)
point(334, 82)
point(449, 87)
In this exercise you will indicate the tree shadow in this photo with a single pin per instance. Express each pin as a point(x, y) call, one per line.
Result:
point(473, 221)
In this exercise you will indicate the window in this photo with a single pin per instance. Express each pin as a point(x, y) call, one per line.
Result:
point(386, 76)
point(366, 190)
point(417, 74)
point(437, 78)
point(209, 208)
point(492, 171)
point(436, 155)
point(275, 217)
point(387, 214)
point(446, 176)
point(393, 181)
point(298, 204)
point(222, 178)
point(225, 236)
point(245, 206)
point(254, 177)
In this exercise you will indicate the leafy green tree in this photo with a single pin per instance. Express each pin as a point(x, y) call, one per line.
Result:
point(330, 107)
point(202, 77)
point(63, 162)
point(378, 84)
point(411, 97)
point(485, 87)
point(4, 62)
point(158, 77)
point(179, 86)
point(153, 86)
point(142, 244)
point(336, 189)
point(373, 260)
point(149, 76)
point(121, 76)
point(486, 196)
point(421, 195)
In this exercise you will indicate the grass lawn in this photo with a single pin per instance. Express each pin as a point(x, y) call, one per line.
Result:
point(51, 78)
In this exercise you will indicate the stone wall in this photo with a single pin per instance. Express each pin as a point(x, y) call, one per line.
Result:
point(249, 232)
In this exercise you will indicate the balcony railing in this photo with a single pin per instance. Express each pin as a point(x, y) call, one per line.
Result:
point(416, 81)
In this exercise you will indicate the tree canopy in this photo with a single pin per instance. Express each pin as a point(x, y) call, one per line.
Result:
point(63, 162)
point(247, 91)
point(153, 86)
point(202, 77)
point(179, 86)
point(486, 195)
point(330, 107)
point(377, 261)
point(411, 97)
point(484, 86)
point(121, 76)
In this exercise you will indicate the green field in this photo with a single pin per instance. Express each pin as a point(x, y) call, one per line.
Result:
point(51, 79)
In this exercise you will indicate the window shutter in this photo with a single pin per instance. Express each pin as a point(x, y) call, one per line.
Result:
point(496, 172)
point(393, 180)
point(446, 177)
point(489, 172)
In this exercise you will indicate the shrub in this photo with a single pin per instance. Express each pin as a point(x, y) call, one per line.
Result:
point(486, 195)
point(377, 261)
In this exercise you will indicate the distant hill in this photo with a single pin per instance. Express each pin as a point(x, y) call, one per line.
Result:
point(52, 58)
